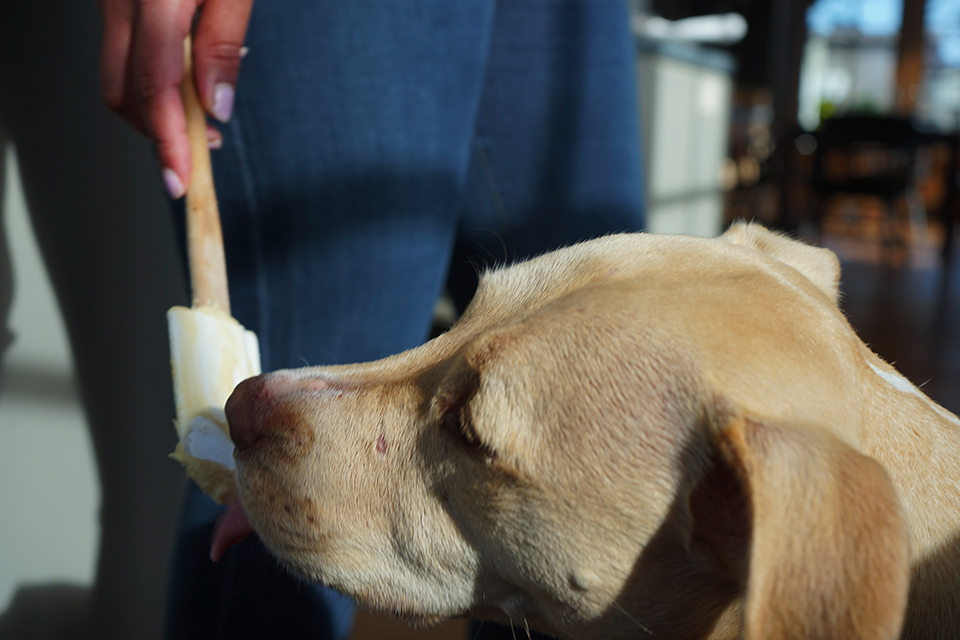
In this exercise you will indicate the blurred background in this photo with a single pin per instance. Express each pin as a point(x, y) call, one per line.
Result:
point(834, 120)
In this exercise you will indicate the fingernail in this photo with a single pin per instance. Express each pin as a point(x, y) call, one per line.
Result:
point(174, 186)
point(214, 143)
point(222, 101)
point(243, 52)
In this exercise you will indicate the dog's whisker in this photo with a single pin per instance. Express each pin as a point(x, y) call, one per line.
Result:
point(527, 627)
point(513, 629)
point(631, 618)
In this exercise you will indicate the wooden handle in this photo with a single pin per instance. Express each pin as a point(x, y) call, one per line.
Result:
point(208, 268)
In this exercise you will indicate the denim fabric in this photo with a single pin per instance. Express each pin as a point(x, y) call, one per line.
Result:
point(378, 151)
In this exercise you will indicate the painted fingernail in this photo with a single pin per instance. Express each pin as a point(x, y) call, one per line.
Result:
point(172, 181)
point(222, 101)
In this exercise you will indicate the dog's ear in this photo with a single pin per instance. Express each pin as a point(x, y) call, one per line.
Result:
point(827, 550)
point(820, 266)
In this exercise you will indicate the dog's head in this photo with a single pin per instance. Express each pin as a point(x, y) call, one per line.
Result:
point(636, 434)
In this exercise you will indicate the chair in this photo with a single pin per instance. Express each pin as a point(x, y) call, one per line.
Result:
point(870, 156)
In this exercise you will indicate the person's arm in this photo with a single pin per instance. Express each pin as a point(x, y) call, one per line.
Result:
point(141, 65)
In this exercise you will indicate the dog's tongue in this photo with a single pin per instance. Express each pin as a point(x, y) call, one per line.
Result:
point(232, 526)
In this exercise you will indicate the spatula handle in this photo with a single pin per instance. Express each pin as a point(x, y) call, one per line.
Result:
point(208, 269)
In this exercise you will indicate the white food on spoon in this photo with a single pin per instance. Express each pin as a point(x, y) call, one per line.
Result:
point(206, 439)
point(212, 353)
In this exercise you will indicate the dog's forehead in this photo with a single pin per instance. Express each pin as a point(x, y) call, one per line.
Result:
point(657, 263)
point(627, 309)
point(627, 284)
point(585, 363)
point(508, 293)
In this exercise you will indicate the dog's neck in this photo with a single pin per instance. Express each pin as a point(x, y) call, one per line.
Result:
point(922, 468)
point(919, 445)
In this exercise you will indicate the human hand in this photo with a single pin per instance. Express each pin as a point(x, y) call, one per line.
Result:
point(141, 66)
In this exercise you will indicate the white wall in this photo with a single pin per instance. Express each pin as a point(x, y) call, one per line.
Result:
point(49, 491)
point(685, 111)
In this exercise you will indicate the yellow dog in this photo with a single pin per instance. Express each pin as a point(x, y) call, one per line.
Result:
point(638, 436)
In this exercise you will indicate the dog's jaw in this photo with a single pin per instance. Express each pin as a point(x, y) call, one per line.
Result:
point(415, 555)
point(306, 504)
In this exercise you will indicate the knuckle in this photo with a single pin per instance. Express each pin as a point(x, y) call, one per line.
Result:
point(223, 52)
point(145, 84)
point(166, 149)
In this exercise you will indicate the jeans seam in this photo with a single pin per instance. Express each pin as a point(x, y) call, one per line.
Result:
point(489, 181)
point(249, 192)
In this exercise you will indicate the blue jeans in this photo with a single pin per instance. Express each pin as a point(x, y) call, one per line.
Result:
point(378, 151)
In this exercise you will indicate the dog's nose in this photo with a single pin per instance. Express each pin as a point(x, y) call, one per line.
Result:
point(244, 411)
point(269, 406)
point(258, 407)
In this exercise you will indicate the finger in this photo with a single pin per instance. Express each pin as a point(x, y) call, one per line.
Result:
point(218, 45)
point(155, 74)
point(115, 51)
point(214, 137)
point(118, 17)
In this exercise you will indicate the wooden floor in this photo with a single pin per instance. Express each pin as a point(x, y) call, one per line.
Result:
point(905, 304)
